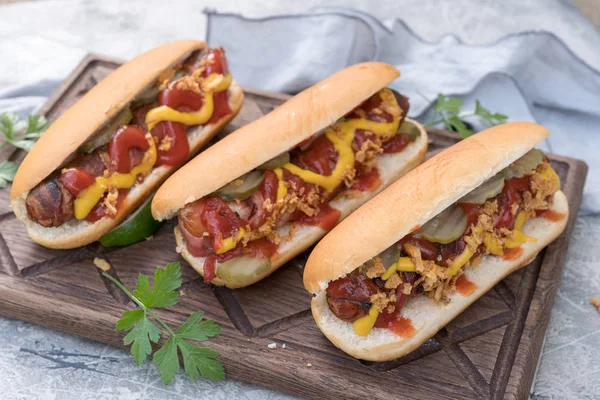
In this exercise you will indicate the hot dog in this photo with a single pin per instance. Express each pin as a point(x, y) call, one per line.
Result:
point(402, 266)
point(268, 191)
point(109, 151)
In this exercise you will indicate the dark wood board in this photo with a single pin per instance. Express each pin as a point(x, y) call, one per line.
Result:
point(490, 351)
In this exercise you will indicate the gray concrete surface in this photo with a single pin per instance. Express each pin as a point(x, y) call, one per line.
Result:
point(46, 39)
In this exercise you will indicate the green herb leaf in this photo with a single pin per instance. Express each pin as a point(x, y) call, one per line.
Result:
point(19, 134)
point(448, 104)
point(459, 126)
point(8, 171)
point(143, 332)
point(493, 119)
point(130, 318)
point(200, 360)
point(447, 111)
point(167, 361)
point(195, 330)
point(166, 282)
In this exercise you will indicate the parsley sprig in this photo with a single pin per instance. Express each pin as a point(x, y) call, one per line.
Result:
point(20, 134)
point(143, 331)
point(448, 111)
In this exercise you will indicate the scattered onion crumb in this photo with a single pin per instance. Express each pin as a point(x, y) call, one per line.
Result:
point(272, 345)
point(283, 346)
point(102, 264)
point(596, 302)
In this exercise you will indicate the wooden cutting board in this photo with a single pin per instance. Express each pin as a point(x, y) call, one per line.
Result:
point(490, 351)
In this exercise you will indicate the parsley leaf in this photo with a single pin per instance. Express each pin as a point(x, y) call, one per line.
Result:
point(143, 332)
point(200, 360)
point(448, 112)
point(21, 134)
point(449, 104)
point(484, 113)
point(8, 171)
point(166, 281)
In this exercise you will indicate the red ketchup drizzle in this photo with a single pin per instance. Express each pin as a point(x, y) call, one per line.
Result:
point(126, 138)
point(267, 190)
point(320, 156)
point(464, 286)
point(75, 180)
point(367, 181)
point(395, 144)
point(550, 215)
point(471, 210)
point(326, 219)
point(99, 212)
point(217, 63)
point(186, 101)
point(512, 254)
point(393, 320)
point(260, 248)
point(508, 197)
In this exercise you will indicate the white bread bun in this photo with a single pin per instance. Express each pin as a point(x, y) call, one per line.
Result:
point(289, 124)
point(427, 316)
point(416, 198)
point(391, 167)
point(88, 116)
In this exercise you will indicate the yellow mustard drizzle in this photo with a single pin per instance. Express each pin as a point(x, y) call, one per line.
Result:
point(232, 241)
point(341, 135)
point(165, 113)
point(363, 325)
point(90, 196)
point(519, 236)
point(281, 188)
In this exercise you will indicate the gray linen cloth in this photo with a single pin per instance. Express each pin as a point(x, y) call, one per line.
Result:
point(529, 76)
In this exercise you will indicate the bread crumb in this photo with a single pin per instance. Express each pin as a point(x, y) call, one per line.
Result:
point(596, 302)
point(272, 345)
point(102, 264)
point(149, 238)
point(181, 293)
point(309, 365)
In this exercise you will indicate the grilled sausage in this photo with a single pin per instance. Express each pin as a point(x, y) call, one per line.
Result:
point(50, 203)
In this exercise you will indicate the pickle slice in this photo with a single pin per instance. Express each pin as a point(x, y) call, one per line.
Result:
point(490, 188)
point(243, 270)
point(137, 227)
point(389, 256)
point(243, 187)
point(409, 129)
point(104, 135)
point(445, 227)
point(276, 162)
point(150, 95)
point(525, 164)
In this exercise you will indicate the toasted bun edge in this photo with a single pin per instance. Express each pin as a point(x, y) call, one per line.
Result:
point(421, 194)
point(76, 233)
point(427, 316)
point(276, 132)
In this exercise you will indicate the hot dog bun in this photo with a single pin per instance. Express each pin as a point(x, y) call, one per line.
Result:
point(86, 117)
point(289, 124)
point(427, 316)
point(403, 207)
point(391, 167)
